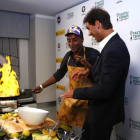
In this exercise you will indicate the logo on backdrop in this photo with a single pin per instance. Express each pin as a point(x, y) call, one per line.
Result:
point(58, 19)
point(84, 26)
point(67, 46)
point(120, 138)
point(70, 15)
point(125, 100)
point(59, 60)
point(59, 87)
point(134, 124)
point(93, 41)
point(134, 35)
point(59, 33)
point(134, 80)
point(58, 46)
point(99, 3)
point(83, 10)
point(118, 1)
point(59, 100)
point(122, 16)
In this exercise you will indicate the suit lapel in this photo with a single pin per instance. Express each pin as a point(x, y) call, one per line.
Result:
point(96, 62)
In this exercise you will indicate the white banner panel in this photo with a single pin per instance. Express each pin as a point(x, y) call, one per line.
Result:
point(125, 19)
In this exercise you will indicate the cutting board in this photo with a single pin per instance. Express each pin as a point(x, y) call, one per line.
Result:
point(11, 126)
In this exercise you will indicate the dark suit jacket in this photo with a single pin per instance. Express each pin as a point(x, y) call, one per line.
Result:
point(106, 97)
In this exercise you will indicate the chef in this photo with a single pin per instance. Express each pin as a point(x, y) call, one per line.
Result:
point(72, 112)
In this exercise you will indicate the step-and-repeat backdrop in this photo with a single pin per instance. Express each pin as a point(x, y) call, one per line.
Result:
point(125, 19)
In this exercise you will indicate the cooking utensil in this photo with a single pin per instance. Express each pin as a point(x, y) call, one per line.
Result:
point(25, 93)
point(77, 135)
point(2, 125)
point(8, 104)
point(52, 130)
point(9, 98)
point(46, 127)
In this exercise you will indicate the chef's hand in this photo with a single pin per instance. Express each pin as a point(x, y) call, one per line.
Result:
point(79, 74)
point(69, 94)
point(83, 61)
point(37, 89)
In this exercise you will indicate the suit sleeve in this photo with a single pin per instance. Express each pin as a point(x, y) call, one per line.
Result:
point(111, 71)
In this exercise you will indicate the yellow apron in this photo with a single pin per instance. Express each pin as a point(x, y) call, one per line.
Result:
point(72, 112)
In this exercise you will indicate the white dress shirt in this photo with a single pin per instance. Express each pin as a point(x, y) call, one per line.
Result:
point(105, 40)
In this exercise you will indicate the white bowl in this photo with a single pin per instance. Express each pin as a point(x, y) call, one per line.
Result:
point(32, 116)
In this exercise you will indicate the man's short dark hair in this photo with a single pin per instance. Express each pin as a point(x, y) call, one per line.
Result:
point(99, 14)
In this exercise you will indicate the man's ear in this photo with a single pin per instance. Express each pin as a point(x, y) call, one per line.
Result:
point(97, 24)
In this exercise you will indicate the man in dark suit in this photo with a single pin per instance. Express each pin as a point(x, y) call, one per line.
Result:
point(106, 97)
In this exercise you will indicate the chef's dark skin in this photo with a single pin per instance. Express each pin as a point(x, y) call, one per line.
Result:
point(75, 43)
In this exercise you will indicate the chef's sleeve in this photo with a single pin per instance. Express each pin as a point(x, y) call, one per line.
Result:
point(59, 74)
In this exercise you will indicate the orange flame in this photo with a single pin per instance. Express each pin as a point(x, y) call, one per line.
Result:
point(9, 86)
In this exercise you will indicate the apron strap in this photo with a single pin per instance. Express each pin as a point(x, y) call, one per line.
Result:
point(68, 60)
point(84, 53)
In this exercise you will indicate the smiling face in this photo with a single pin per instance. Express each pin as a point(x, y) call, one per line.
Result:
point(94, 31)
point(75, 42)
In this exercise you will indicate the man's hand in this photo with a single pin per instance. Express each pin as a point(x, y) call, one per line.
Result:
point(79, 74)
point(37, 89)
point(69, 94)
point(83, 61)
